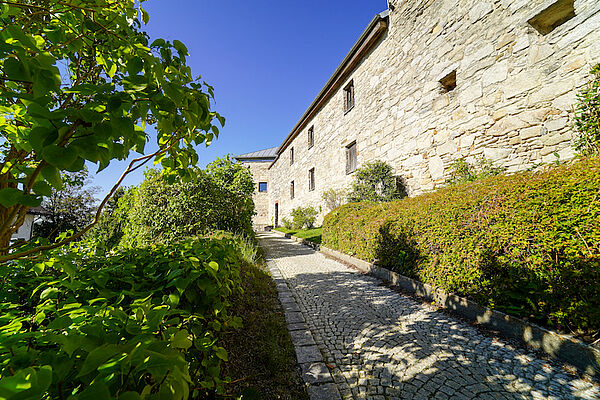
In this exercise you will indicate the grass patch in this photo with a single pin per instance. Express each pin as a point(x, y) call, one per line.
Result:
point(261, 355)
point(312, 235)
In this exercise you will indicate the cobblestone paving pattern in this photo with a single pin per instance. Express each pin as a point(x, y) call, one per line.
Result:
point(383, 345)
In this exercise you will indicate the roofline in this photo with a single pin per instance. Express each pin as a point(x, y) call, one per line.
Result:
point(364, 44)
point(254, 159)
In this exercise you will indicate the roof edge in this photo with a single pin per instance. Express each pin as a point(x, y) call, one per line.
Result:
point(370, 35)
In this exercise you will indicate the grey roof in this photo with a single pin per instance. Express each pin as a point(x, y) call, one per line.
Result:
point(267, 154)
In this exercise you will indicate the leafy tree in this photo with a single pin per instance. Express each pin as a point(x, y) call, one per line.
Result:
point(219, 198)
point(334, 198)
point(587, 119)
point(304, 217)
point(374, 181)
point(108, 231)
point(81, 82)
point(70, 208)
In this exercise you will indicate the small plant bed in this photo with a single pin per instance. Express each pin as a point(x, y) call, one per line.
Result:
point(312, 235)
point(262, 361)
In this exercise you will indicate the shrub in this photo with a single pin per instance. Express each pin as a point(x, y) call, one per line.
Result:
point(587, 119)
point(374, 181)
point(528, 244)
point(304, 217)
point(287, 224)
point(334, 198)
point(142, 321)
point(219, 198)
point(462, 171)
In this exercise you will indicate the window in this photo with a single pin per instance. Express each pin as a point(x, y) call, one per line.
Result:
point(448, 82)
point(311, 179)
point(553, 16)
point(311, 137)
point(351, 158)
point(349, 96)
point(262, 187)
point(292, 190)
point(291, 156)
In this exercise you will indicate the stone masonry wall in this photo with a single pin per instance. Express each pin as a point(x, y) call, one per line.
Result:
point(513, 103)
point(260, 173)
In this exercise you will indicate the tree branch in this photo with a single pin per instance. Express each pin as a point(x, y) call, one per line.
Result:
point(132, 167)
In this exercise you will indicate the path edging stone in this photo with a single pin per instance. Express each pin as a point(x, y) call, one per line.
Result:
point(316, 375)
point(556, 345)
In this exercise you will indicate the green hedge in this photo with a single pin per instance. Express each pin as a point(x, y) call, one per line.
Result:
point(528, 243)
point(145, 322)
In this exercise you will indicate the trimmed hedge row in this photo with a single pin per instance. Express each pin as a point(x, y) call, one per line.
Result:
point(527, 244)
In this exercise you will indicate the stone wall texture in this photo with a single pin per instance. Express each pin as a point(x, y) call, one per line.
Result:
point(260, 173)
point(513, 101)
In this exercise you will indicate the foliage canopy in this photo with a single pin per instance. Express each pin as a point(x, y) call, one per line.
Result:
point(81, 82)
point(374, 181)
point(587, 118)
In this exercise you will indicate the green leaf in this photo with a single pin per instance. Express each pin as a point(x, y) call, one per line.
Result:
point(52, 175)
point(60, 323)
point(96, 391)
point(16, 70)
point(129, 396)
point(180, 47)
point(9, 197)
point(60, 157)
point(221, 353)
point(181, 340)
point(42, 188)
point(97, 357)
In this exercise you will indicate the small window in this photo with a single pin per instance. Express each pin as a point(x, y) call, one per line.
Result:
point(349, 96)
point(311, 179)
point(262, 187)
point(553, 16)
point(448, 82)
point(311, 137)
point(291, 156)
point(351, 158)
point(291, 189)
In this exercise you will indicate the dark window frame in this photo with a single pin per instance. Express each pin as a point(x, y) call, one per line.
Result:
point(292, 190)
point(311, 179)
point(311, 136)
point(349, 98)
point(351, 158)
point(291, 155)
point(265, 187)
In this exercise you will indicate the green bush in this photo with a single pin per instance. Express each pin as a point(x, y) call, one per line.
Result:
point(374, 181)
point(158, 211)
point(528, 244)
point(462, 171)
point(304, 217)
point(334, 198)
point(587, 119)
point(144, 322)
point(287, 224)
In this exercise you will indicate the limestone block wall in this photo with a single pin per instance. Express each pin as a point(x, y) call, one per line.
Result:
point(513, 101)
point(260, 173)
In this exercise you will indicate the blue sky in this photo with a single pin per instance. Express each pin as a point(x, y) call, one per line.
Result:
point(267, 60)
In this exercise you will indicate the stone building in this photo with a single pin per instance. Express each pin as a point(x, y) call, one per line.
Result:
point(430, 81)
point(258, 162)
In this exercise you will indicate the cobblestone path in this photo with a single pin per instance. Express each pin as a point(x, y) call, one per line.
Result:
point(381, 345)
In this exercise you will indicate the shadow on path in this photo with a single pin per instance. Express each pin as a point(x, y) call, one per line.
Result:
point(383, 345)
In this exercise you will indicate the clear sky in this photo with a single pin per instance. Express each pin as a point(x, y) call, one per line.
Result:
point(267, 61)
